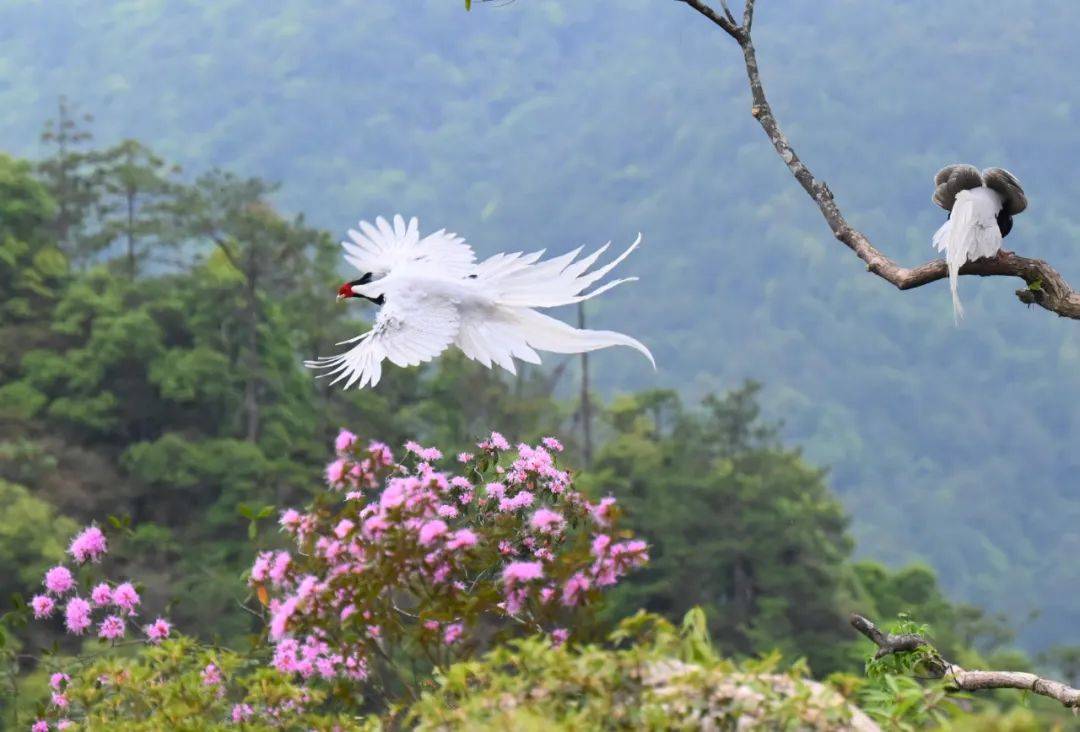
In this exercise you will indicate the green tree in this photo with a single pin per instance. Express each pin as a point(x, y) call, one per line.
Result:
point(269, 255)
point(738, 524)
point(31, 536)
point(137, 192)
point(67, 173)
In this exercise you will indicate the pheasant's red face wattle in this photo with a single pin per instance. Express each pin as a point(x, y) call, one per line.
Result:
point(345, 291)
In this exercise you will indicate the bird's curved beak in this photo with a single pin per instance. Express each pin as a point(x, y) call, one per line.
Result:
point(340, 298)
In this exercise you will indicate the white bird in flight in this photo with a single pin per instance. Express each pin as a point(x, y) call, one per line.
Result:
point(981, 207)
point(433, 295)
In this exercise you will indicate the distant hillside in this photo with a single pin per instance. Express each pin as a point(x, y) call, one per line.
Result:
point(545, 123)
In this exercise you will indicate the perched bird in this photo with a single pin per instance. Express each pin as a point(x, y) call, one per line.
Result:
point(981, 207)
point(433, 295)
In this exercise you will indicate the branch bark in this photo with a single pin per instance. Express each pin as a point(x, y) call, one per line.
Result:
point(1045, 285)
point(961, 679)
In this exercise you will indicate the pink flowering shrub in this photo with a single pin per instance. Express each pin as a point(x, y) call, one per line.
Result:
point(396, 563)
point(405, 554)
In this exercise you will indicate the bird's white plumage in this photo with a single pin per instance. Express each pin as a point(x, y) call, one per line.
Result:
point(970, 233)
point(437, 296)
point(408, 331)
point(380, 248)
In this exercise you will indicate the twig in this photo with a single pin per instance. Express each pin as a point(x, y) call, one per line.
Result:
point(961, 679)
point(1045, 285)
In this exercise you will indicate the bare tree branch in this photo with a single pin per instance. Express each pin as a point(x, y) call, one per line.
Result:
point(727, 23)
point(961, 679)
point(1045, 286)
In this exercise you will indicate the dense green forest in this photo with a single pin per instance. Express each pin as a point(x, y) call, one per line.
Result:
point(557, 122)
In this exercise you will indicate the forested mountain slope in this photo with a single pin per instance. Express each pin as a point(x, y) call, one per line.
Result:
point(544, 123)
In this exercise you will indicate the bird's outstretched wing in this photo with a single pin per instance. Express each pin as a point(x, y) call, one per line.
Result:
point(379, 248)
point(408, 331)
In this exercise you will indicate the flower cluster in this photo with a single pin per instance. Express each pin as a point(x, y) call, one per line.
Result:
point(406, 552)
point(117, 604)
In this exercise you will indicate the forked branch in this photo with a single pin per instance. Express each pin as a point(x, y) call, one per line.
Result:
point(1045, 286)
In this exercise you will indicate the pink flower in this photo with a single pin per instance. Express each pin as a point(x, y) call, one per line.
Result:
point(58, 679)
point(211, 675)
point(344, 440)
point(343, 528)
point(89, 544)
point(242, 713)
point(158, 630)
point(40, 726)
point(125, 597)
point(575, 589)
point(431, 531)
point(452, 633)
point(111, 628)
point(446, 510)
point(77, 615)
point(559, 636)
point(516, 572)
point(547, 520)
point(498, 441)
point(600, 543)
point(58, 580)
point(335, 471)
point(280, 567)
point(290, 520)
point(424, 453)
point(495, 490)
point(101, 594)
point(552, 444)
point(43, 606)
point(521, 500)
point(601, 512)
point(63, 724)
point(464, 457)
point(279, 621)
point(461, 539)
point(260, 568)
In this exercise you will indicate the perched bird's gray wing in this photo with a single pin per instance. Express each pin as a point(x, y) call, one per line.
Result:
point(408, 331)
point(952, 179)
point(1008, 186)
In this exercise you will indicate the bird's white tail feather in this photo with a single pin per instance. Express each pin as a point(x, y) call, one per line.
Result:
point(522, 281)
point(970, 233)
point(545, 333)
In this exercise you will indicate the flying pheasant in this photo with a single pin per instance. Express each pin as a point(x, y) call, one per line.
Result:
point(433, 294)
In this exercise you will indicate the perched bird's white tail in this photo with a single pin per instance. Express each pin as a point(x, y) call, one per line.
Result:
point(970, 233)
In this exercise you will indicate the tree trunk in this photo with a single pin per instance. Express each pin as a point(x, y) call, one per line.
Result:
point(252, 409)
point(586, 405)
point(131, 233)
